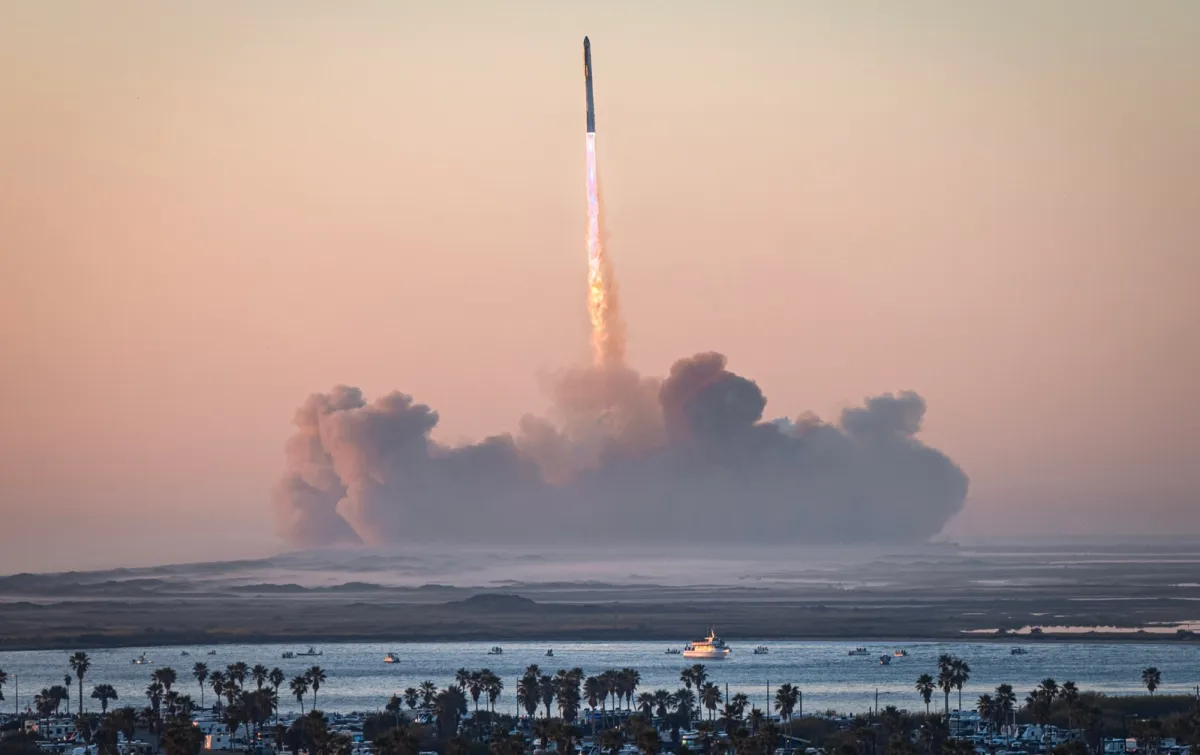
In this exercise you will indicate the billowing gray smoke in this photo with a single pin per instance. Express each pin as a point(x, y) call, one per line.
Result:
point(688, 458)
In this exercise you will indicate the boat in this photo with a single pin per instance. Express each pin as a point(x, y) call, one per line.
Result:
point(859, 651)
point(185, 654)
point(885, 660)
point(141, 660)
point(212, 652)
point(550, 653)
point(901, 654)
point(391, 658)
point(311, 651)
point(761, 650)
point(672, 651)
point(1018, 651)
point(287, 654)
point(496, 650)
point(711, 648)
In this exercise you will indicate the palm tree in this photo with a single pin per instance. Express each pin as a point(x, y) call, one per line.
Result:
point(710, 697)
point(739, 703)
point(493, 685)
point(3, 681)
point(237, 672)
point(527, 693)
point(316, 676)
point(662, 700)
point(154, 693)
point(394, 705)
point(1049, 688)
point(200, 671)
point(645, 703)
point(1070, 695)
point(259, 673)
point(630, 678)
point(472, 682)
point(80, 663)
point(1006, 701)
point(945, 682)
point(299, 687)
point(591, 691)
point(926, 687)
point(960, 672)
point(986, 705)
point(786, 698)
point(166, 677)
point(1152, 678)
point(104, 693)
point(217, 679)
point(546, 688)
point(428, 692)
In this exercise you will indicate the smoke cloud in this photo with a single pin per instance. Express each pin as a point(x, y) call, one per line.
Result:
point(687, 458)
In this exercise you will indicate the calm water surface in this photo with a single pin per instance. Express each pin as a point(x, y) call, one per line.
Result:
point(359, 680)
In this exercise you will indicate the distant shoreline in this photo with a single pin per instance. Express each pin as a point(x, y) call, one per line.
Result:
point(211, 641)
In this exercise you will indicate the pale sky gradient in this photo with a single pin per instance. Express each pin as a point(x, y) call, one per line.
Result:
point(210, 210)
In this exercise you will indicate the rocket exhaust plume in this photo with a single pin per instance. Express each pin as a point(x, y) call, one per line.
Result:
point(620, 455)
point(608, 336)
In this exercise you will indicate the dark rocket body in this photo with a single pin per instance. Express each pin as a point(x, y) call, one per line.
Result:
point(587, 83)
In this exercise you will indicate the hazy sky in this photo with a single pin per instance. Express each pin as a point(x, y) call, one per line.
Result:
point(210, 210)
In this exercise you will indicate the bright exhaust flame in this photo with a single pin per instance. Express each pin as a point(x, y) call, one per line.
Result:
point(608, 342)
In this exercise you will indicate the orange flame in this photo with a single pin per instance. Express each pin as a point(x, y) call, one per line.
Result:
point(608, 333)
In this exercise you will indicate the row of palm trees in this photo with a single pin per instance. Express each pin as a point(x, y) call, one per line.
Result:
point(953, 674)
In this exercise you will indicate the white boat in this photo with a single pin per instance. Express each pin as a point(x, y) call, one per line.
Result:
point(900, 654)
point(859, 651)
point(762, 650)
point(141, 660)
point(311, 651)
point(391, 658)
point(711, 648)
point(496, 650)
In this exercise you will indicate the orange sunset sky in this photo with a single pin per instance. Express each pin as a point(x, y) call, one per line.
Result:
point(210, 210)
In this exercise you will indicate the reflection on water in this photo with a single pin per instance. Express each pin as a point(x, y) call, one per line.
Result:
point(358, 679)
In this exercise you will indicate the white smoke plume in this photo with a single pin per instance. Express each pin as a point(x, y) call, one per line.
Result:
point(683, 459)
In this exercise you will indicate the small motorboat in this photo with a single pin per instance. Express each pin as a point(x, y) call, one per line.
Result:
point(141, 660)
point(900, 654)
point(673, 651)
point(762, 650)
point(212, 652)
point(391, 658)
point(550, 653)
point(496, 650)
point(1018, 651)
point(859, 651)
point(311, 652)
point(885, 660)
point(185, 654)
point(287, 654)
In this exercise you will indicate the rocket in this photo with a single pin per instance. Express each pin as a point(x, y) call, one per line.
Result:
point(587, 84)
